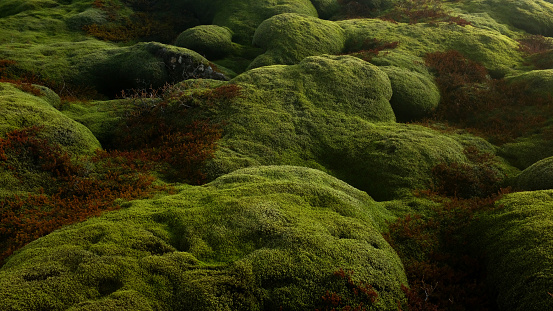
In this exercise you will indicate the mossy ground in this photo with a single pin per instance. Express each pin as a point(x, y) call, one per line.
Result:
point(265, 237)
point(256, 239)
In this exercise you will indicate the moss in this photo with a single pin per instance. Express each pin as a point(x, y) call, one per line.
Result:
point(210, 40)
point(538, 176)
point(243, 17)
point(19, 110)
point(532, 16)
point(326, 8)
point(331, 113)
point(87, 17)
point(256, 239)
point(517, 241)
point(495, 51)
point(527, 150)
point(537, 82)
point(415, 96)
point(289, 38)
point(100, 117)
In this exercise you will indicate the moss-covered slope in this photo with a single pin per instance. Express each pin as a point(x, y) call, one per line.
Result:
point(517, 240)
point(256, 239)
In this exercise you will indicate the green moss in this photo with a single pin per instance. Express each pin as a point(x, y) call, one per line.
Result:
point(87, 17)
point(326, 8)
point(494, 50)
point(331, 113)
point(527, 150)
point(414, 96)
point(19, 110)
point(538, 82)
point(210, 40)
point(244, 16)
point(538, 176)
point(517, 242)
point(532, 16)
point(256, 239)
point(289, 38)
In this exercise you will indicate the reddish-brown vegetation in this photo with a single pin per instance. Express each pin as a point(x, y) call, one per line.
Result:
point(360, 295)
point(158, 134)
point(492, 108)
point(409, 11)
point(70, 191)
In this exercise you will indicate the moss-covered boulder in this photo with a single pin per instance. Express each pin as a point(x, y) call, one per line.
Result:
point(532, 16)
point(289, 38)
point(414, 95)
point(331, 113)
point(264, 238)
point(535, 82)
point(243, 16)
point(496, 51)
point(151, 64)
point(210, 40)
point(527, 150)
point(20, 110)
point(326, 8)
point(518, 245)
point(538, 176)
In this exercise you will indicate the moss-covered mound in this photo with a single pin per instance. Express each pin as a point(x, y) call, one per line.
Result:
point(532, 16)
point(536, 82)
point(20, 110)
point(210, 40)
point(414, 95)
point(494, 50)
point(538, 176)
point(151, 64)
point(289, 38)
point(243, 16)
point(518, 243)
point(526, 151)
point(257, 239)
point(331, 113)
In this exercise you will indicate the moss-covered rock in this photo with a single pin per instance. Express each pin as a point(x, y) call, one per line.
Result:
point(289, 38)
point(331, 113)
point(19, 110)
point(86, 18)
point(538, 176)
point(258, 239)
point(536, 82)
point(244, 16)
point(517, 241)
point(496, 51)
point(210, 40)
point(532, 16)
point(414, 95)
point(326, 8)
point(526, 151)
point(151, 64)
